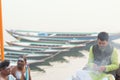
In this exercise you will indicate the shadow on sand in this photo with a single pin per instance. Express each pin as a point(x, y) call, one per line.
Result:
point(60, 57)
point(72, 53)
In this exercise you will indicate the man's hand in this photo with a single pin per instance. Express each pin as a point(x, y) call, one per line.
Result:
point(101, 68)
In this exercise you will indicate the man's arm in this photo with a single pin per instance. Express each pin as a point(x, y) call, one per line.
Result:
point(114, 62)
point(91, 58)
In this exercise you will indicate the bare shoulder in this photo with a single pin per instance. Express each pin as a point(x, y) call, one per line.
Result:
point(13, 68)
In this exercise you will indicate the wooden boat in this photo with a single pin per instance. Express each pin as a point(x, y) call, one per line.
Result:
point(65, 35)
point(13, 61)
point(53, 40)
point(30, 58)
point(12, 54)
point(44, 45)
point(32, 50)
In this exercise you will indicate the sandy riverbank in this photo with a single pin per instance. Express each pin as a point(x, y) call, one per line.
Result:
point(60, 71)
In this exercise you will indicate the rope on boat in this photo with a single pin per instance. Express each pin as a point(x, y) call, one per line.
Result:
point(49, 56)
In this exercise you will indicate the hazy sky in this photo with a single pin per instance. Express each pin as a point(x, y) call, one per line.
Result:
point(62, 15)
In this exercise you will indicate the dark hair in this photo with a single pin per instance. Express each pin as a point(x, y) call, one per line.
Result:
point(24, 57)
point(103, 36)
point(4, 64)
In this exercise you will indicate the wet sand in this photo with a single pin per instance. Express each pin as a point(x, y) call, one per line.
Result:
point(63, 70)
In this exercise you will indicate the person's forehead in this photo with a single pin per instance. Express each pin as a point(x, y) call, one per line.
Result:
point(20, 59)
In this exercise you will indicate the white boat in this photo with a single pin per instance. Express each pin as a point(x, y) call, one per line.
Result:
point(45, 45)
point(53, 40)
point(32, 50)
point(52, 34)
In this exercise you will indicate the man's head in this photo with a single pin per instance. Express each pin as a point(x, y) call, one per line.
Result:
point(102, 40)
point(21, 62)
point(4, 67)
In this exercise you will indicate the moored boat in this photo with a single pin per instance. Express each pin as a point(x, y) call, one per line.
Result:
point(53, 40)
point(44, 45)
point(35, 56)
point(65, 35)
point(32, 50)
point(31, 58)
